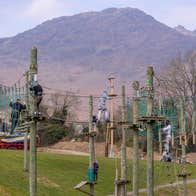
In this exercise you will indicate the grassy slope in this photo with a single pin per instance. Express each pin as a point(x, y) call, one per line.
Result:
point(58, 174)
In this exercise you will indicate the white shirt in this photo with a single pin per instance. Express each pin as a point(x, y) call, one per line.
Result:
point(102, 101)
point(167, 130)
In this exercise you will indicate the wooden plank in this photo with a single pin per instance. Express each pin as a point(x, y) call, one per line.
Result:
point(81, 184)
point(119, 182)
point(151, 118)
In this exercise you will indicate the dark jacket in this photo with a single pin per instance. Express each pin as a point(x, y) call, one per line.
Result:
point(95, 167)
point(17, 107)
point(37, 89)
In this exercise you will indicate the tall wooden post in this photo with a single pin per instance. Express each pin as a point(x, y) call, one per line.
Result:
point(194, 114)
point(123, 147)
point(9, 96)
point(16, 93)
point(111, 95)
point(25, 152)
point(194, 118)
point(19, 89)
point(33, 128)
point(160, 135)
point(150, 154)
point(135, 138)
point(91, 143)
point(116, 190)
point(5, 105)
point(26, 133)
point(183, 143)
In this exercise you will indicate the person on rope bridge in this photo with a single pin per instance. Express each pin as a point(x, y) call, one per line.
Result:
point(167, 132)
point(95, 170)
point(37, 91)
point(94, 120)
point(102, 107)
point(1, 125)
point(17, 107)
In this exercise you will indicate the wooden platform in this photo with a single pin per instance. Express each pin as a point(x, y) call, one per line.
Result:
point(184, 175)
point(83, 183)
point(112, 95)
point(125, 124)
point(91, 134)
point(121, 182)
point(151, 119)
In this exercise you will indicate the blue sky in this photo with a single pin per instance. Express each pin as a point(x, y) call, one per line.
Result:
point(17, 16)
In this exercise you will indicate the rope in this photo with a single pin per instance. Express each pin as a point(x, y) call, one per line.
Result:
point(8, 93)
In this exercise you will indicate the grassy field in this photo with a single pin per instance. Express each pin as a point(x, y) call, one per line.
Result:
point(58, 174)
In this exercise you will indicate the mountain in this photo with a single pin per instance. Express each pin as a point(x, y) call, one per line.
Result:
point(78, 52)
point(185, 31)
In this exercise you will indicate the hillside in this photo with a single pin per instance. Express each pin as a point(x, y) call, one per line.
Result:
point(83, 49)
point(58, 174)
point(185, 31)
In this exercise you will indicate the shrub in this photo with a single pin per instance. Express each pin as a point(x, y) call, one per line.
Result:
point(52, 134)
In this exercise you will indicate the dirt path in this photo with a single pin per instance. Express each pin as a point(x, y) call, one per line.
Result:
point(175, 184)
point(165, 186)
point(60, 151)
point(82, 148)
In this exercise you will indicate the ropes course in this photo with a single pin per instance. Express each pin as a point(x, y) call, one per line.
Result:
point(141, 113)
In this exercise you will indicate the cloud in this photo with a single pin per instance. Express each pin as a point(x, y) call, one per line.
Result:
point(22, 15)
point(46, 9)
point(182, 14)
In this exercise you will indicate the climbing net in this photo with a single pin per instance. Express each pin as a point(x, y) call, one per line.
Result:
point(8, 94)
point(166, 172)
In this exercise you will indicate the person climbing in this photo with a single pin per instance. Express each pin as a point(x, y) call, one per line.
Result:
point(94, 122)
point(37, 91)
point(167, 132)
point(17, 107)
point(102, 107)
point(95, 170)
point(169, 158)
point(1, 125)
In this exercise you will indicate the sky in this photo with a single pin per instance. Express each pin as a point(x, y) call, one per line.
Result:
point(16, 16)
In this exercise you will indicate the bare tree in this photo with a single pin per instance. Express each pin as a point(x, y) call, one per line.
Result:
point(178, 81)
point(65, 105)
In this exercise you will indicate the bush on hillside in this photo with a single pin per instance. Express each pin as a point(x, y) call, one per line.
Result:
point(52, 134)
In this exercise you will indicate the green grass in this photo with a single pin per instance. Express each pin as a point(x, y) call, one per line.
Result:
point(58, 174)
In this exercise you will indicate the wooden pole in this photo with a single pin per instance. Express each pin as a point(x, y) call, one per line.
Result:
point(194, 114)
point(16, 93)
point(26, 133)
point(194, 118)
point(116, 190)
point(112, 95)
point(183, 143)
point(33, 128)
point(150, 154)
point(172, 140)
point(160, 143)
point(123, 147)
point(160, 135)
point(107, 138)
point(91, 142)
point(26, 152)
point(135, 139)
point(5, 112)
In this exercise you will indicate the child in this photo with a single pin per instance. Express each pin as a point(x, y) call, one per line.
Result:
point(17, 107)
point(38, 93)
point(96, 168)
point(167, 131)
point(102, 106)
